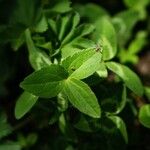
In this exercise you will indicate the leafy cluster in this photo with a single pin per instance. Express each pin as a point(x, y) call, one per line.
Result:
point(80, 82)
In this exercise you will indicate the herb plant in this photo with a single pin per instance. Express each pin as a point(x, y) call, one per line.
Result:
point(80, 85)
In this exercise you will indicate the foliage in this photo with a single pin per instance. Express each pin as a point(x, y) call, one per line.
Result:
point(78, 81)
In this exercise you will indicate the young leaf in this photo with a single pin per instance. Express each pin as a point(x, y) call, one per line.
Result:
point(120, 126)
point(78, 32)
point(83, 43)
point(24, 104)
point(130, 79)
point(102, 70)
point(88, 67)
point(81, 97)
point(42, 25)
point(38, 58)
point(46, 82)
point(53, 26)
point(105, 34)
point(76, 45)
point(66, 25)
point(144, 115)
point(67, 46)
point(82, 64)
point(69, 62)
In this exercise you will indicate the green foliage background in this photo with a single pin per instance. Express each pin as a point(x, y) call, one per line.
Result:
point(69, 77)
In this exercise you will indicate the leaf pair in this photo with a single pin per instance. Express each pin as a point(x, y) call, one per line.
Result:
point(44, 84)
point(50, 81)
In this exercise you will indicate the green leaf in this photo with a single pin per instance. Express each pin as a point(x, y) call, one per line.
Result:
point(38, 58)
point(144, 115)
point(124, 23)
point(75, 60)
point(78, 32)
point(147, 92)
point(102, 70)
point(130, 79)
point(105, 35)
point(123, 100)
point(113, 101)
point(54, 118)
point(31, 139)
point(9, 33)
point(83, 124)
point(53, 26)
point(125, 57)
point(83, 30)
point(88, 67)
point(86, 9)
point(131, 55)
point(120, 126)
point(75, 46)
point(66, 25)
point(83, 43)
point(138, 43)
point(129, 18)
point(137, 3)
point(69, 147)
point(62, 123)
point(46, 82)
point(17, 43)
point(42, 25)
point(139, 6)
point(60, 6)
point(82, 64)
point(5, 129)
point(62, 102)
point(10, 146)
point(26, 13)
point(82, 97)
point(24, 104)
